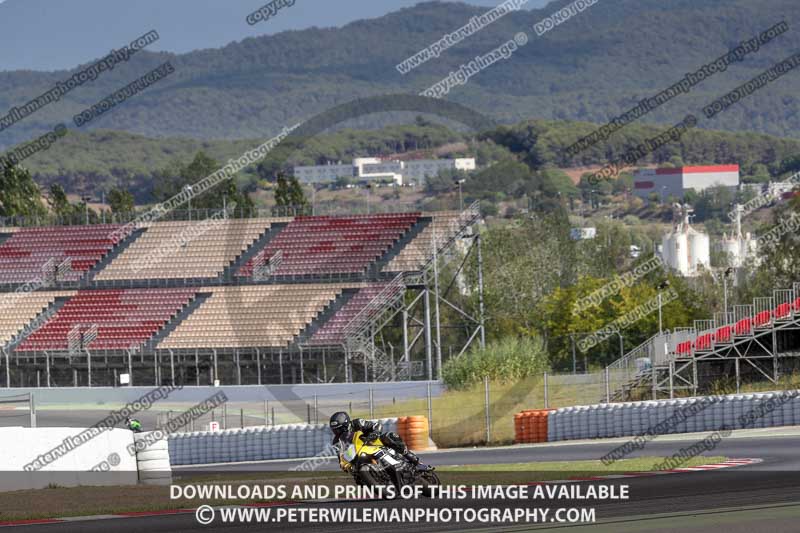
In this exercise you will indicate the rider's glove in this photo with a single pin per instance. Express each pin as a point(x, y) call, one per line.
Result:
point(371, 437)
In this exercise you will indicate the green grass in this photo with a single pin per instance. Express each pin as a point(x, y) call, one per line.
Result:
point(458, 416)
point(575, 468)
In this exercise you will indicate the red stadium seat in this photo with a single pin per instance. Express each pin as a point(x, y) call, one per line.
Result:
point(25, 255)
point(332, 333)
point(325, 245)
point(123, 318)
point(744, 326)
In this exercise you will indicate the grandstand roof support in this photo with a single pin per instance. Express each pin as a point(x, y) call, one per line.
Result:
point(436, 307)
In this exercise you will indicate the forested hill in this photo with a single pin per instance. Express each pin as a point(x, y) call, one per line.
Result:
point(101, 159)
point(589, 68)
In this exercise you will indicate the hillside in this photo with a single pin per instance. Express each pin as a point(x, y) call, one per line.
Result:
point(587, 69)
point(98, 160)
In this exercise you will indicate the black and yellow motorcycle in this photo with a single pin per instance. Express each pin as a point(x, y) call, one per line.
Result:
point(374, 464)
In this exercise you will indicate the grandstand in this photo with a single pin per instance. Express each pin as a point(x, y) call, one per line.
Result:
point(239, 301)
point(761, 339)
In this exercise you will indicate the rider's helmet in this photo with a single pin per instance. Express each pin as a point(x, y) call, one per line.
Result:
point(128, 421)
point(340, 423)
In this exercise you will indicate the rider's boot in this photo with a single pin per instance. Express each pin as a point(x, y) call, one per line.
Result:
point(412, 457)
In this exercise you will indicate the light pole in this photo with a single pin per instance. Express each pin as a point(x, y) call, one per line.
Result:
point(663, 285)
point(621, 346)
point(86, 200)
point(663, 188)
point(460, 195)
point(728, 272)
point(188, 190)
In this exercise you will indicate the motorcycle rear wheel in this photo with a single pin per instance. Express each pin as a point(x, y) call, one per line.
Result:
point(427, 480)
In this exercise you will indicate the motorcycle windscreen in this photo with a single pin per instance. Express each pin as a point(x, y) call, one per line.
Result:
point(350, 453)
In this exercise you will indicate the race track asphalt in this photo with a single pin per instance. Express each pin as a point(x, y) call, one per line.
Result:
point(753, 498)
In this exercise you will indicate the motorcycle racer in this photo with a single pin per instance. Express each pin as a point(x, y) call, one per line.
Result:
point(343, 428)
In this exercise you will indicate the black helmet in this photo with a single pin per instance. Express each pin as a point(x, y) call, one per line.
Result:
point(340, 422)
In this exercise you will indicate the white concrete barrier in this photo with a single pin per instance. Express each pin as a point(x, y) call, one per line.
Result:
point(34, 458)
point(288, 441)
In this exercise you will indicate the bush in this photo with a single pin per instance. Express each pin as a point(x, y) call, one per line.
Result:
point(509, 359)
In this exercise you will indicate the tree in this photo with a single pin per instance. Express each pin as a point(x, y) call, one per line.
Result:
point(58, 202)
point(121, 201)
point(19, 194)
point(297, 196)
point(172, 179)
point(283, 197)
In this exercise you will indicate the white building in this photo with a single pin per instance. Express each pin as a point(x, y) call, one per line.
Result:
point(675, 182)
point(377, 169)
point(739, 247)
point(685, 249)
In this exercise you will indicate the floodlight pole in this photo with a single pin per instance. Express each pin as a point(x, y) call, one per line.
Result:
point(480, 292)
point(436, 306)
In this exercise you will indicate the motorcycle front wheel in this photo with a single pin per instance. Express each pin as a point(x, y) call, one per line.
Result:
point(370, 476)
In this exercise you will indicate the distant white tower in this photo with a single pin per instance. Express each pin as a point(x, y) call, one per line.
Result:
point(685, 249)
point(739, 247)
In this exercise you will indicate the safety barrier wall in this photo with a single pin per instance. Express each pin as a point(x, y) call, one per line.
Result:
point(685, 415)
point(21, 446)
point(152, 459)
point(530, 426)
point(289, 441)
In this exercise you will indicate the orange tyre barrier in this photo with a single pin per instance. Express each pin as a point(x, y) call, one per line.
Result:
point(414, 431)
point(531, 426)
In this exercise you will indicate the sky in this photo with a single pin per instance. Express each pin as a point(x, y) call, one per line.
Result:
point(62, 34)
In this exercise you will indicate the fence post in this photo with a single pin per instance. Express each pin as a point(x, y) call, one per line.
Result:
point(738, 380)
point(266, 412)
point(546, 393)
point(486, 409)
point(224, 416)
point(371, 404)
point(273, 416)
point(308, 414)
point(608, 386)
point(316, 410)
point(241, 418)
point(430, 410)
point(655, 380)
point(32, 409)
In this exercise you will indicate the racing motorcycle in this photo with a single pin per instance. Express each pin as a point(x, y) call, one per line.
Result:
point(375, 464)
